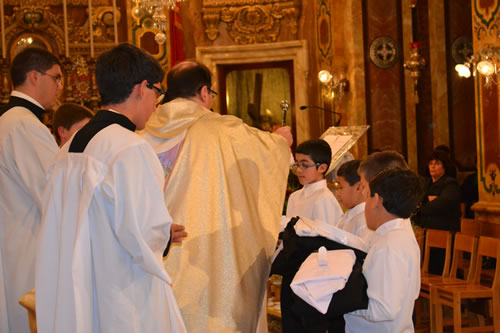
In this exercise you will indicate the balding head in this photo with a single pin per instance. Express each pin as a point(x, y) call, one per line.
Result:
point(186, 80)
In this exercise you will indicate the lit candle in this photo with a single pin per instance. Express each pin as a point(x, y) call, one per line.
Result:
point(90, 30)
point(66, 40)
point(4, 50)
point(115, 23)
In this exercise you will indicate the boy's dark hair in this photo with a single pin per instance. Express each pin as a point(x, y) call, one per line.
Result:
point(31, 59)
point(444, 158)
point(186, 79)
point(121, 68)
point(380, 161)
point(400, 190)
point(67, 115)
point(349, 170)
point(319, 150)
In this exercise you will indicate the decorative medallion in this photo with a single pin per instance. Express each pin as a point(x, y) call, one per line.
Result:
point(486, 10)
point(323, 26)
point(384, 52)
point(461, 49)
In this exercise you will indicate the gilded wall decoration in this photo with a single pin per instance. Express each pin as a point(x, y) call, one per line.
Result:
point(323, 27)
point(143, 32)
point(57, 2)
point(102, 25)
point(250, 21)
point(485, 18)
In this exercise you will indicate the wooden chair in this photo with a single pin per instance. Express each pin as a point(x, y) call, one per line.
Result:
point(452, 295)
point(433, 239)
point(463, 244)
point(420, 236)
point(28, 302)
point(470, 227)
point(438, 239)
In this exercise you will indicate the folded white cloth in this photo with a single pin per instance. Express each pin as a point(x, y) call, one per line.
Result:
point(312, 228)
point(321, 275)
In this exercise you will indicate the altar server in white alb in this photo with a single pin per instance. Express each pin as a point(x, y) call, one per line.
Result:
point(392, 266)
point(314, 201)
point(105, 225)
point(27, 149)
point(351, 197)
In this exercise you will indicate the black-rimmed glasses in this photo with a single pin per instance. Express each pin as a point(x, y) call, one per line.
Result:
point(213, 92)
point(303, 166)
point(57, 78)
point(159, 92)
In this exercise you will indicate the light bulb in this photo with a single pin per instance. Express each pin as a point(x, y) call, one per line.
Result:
point(463, 70)
point(325, 76)
point(485, 67)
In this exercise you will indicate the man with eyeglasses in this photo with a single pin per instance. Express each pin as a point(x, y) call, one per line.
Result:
point(105, 226)
point(27, 149)
point(226, 183)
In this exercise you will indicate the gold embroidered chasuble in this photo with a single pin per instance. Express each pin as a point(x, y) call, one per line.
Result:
point(227, 187)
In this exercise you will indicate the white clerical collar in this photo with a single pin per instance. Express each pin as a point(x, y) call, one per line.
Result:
point(314, 187)
point(19, 94)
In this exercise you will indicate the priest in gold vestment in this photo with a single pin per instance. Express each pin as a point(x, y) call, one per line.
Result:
point(225, 182)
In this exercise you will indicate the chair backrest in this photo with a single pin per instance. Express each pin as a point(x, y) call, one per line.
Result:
point(420, 236)
point(470, 227)
point(440, 239)
point(464, 243)
point(488, 247)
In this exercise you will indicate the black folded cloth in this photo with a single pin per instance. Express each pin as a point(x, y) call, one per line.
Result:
point(296, 314)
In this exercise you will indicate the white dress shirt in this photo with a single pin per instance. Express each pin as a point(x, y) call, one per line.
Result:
point(316, 202)
point(354, 222)
point(392, 270)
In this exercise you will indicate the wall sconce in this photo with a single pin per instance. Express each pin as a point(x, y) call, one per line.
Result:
point(483, 62)
point(415, 65)
point(331, 86)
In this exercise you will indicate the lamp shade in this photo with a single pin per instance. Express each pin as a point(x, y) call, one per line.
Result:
point(325, 76)
point(463, 70)
point(485, 67)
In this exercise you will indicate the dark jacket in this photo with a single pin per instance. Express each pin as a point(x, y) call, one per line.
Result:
point(297, 315)
point(443, 212)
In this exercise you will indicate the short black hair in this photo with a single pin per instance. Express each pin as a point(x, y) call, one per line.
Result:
point(67, 115)
point(318, 149)
point(121, 68)
point(379, 161)
point(31, 59)
point(400, 190)
point(444, 158)
point(186, 79)
point(349, 171)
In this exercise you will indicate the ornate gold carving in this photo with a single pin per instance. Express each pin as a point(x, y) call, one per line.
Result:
point(58, 2)
point(211, 18)
point(250, 21)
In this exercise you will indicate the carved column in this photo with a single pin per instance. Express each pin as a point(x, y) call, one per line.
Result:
point(484, 17)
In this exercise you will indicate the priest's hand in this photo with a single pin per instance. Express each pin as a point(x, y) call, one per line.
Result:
point(177, 233)
point(285, 132)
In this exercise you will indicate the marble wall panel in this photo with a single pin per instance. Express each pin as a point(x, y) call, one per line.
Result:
point(384, 95)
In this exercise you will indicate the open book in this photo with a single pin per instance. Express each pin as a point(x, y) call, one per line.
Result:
point(341, 139)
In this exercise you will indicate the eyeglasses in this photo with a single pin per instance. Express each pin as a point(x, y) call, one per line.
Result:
point(159, 92)
point(303, 166)
point(57, 78)
point(213, 92)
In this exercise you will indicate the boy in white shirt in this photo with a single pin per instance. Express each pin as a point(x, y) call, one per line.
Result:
point(314, 201)
point(391, 268)
point(351, 198)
